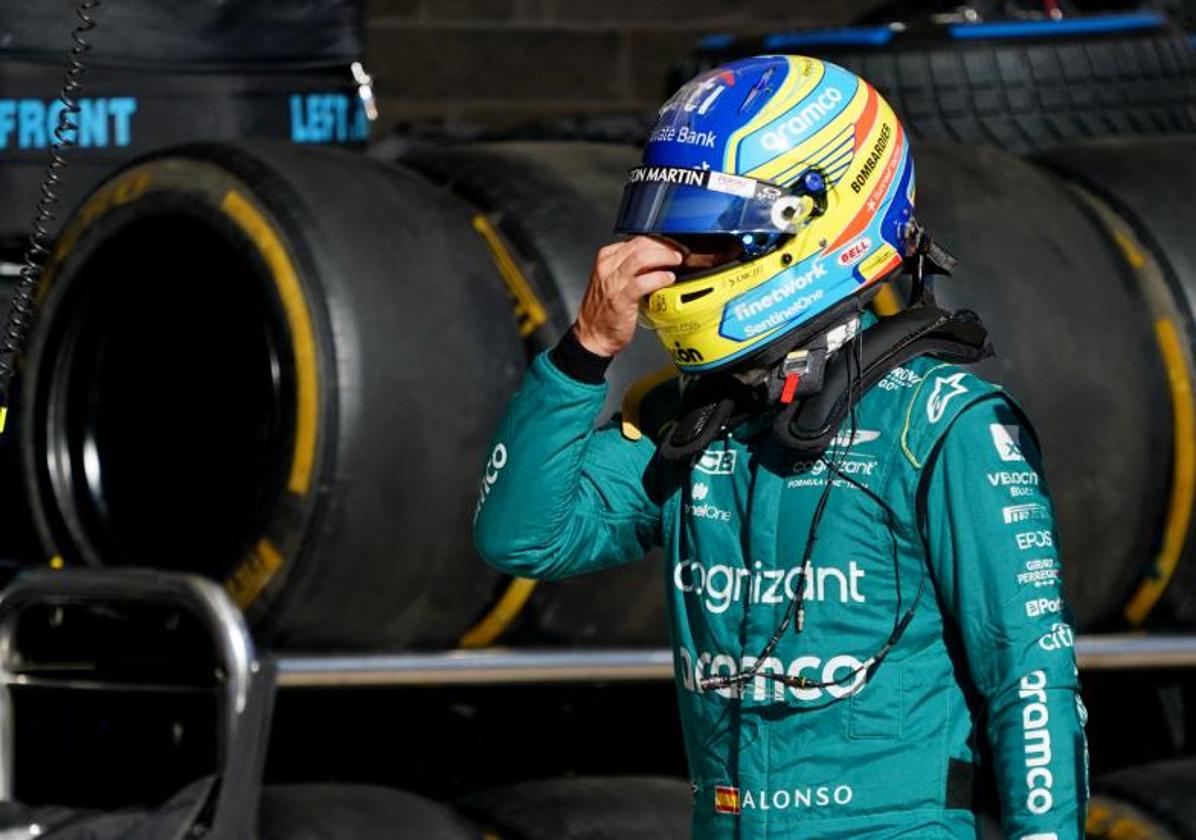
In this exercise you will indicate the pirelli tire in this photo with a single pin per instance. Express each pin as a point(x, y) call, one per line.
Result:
point(1151, 801)
point(544, 209)
point(356, 812)
point(130, 109)
point(593, 808)
point(1016, 85)
point(278, 367)
point(1141, 188)
point(552, 205)
point(1057, 294)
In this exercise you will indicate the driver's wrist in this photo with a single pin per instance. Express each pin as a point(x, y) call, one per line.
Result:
point(572, 358)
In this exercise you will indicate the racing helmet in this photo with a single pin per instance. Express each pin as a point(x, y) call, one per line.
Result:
point(796, 175)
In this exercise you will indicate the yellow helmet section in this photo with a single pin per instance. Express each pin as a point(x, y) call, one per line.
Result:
point(795, 122)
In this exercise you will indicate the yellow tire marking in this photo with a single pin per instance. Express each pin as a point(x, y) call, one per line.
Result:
point(530, 315)
point(56, 562)
point(255, 571)
point(501, 614)
point(635, 395)
point(303, 346)
point(886, 302)
point(1183, 482)
point(1130, 248)
point(528, 310)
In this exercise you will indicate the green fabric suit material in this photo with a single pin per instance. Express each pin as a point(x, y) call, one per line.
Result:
point(971, 538)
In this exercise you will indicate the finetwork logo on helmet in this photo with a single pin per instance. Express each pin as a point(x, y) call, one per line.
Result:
point(764, 301)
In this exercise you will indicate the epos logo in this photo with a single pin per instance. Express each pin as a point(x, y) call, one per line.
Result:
point(1034, 539)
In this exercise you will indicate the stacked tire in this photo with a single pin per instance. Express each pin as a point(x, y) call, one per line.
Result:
point(157, 76)
point(1019, 85)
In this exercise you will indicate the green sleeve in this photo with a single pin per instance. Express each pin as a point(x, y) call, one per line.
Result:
point(558, 498)
point(993, 549)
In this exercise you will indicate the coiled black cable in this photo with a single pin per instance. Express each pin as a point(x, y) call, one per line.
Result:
point(22, 308)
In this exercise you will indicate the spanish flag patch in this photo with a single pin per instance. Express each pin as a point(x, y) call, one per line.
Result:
point(726, 800)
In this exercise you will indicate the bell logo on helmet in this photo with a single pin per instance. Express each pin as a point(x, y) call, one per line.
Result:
point(685, 355)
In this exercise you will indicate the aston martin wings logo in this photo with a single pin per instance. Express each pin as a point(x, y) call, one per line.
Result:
point(946, 388)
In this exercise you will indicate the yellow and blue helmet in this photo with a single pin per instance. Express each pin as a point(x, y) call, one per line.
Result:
point(800, 174)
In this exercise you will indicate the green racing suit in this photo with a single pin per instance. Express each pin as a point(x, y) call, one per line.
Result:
point(966, 533)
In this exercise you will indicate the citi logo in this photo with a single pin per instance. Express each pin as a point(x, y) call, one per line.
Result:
point(685, 355)
point(1060, 638)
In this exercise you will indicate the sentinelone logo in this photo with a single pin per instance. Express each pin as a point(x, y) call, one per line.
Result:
point(773, 304)
point(103, 122)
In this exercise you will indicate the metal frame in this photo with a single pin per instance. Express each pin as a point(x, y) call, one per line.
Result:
point(506, 666)
point(247, 684)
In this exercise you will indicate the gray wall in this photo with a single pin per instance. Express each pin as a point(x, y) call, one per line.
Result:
point(496, 62)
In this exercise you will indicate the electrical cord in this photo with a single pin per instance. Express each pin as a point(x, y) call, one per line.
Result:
point(22, 308)
point(796, 606)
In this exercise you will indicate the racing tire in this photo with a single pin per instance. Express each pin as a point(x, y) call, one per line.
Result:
point(627, 808)
point(1142, 187)
point(129, 110)
point(278, 367)
point(1056, 294)
point(356, 812)
point(1151, 801)
point(553, 204)
point(1016, 85)
point(545, 208)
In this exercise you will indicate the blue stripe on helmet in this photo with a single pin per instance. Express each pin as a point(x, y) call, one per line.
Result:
point(753, 153)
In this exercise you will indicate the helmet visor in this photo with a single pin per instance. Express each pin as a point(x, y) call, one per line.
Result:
point(674, 200)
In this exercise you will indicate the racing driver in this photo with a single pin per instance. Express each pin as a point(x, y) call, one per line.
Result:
point(862, 572)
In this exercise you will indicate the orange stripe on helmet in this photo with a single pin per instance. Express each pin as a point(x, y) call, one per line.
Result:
point(865, 215)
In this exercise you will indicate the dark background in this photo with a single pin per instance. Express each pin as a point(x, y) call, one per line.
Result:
point(498, 62)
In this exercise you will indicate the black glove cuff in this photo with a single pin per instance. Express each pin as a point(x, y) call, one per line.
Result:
point(576, 362)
